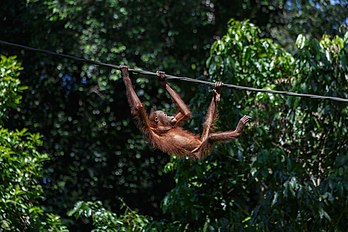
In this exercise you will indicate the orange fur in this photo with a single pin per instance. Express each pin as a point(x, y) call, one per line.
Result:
point(164, 132)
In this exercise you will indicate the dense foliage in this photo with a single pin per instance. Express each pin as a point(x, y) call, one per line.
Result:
point(21, 165)
point(98, 154)
point(287, 173)
point(9, 86)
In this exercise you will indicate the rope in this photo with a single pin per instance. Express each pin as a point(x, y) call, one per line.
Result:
point(172, 77)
